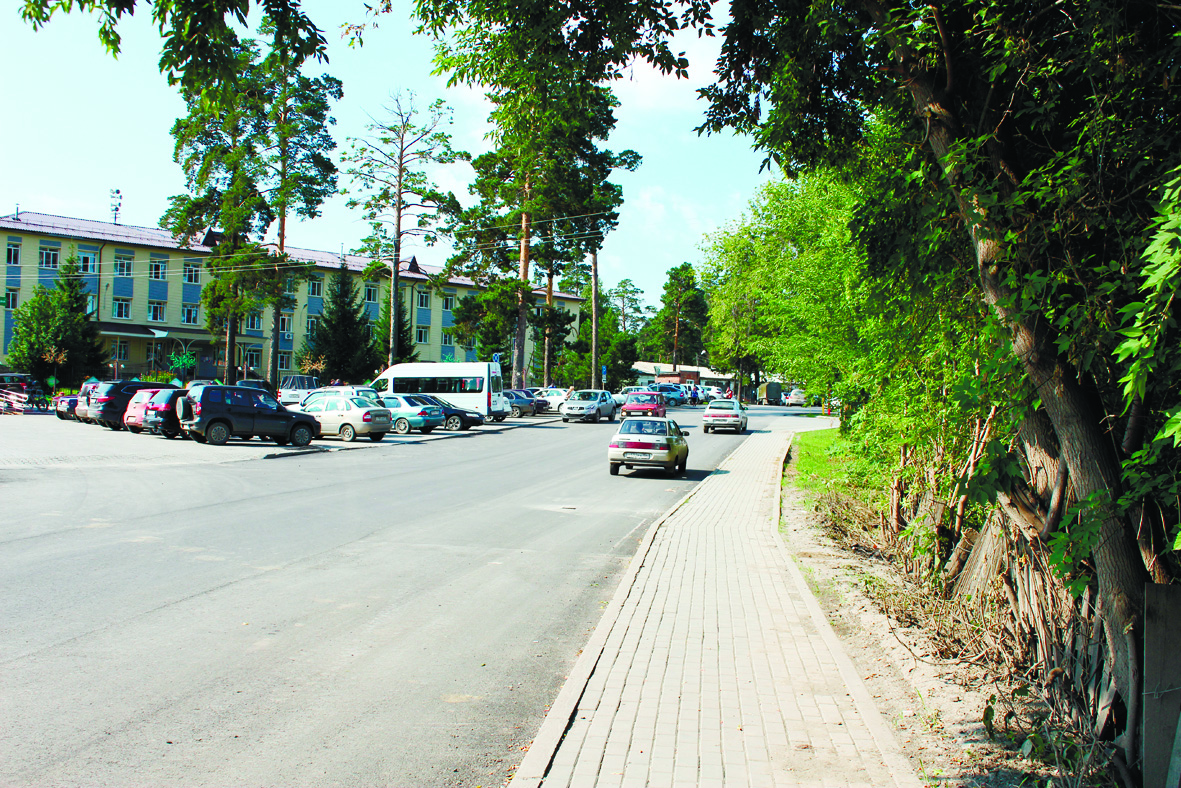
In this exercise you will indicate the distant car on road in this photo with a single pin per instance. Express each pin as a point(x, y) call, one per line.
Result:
point(796, 397)
point(648, 442)
point(725, 414)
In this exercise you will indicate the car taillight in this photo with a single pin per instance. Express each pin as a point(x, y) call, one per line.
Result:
point(196, 408)
point(367, 416)
point(423, 412)
point(102, 399)
point(612, 445)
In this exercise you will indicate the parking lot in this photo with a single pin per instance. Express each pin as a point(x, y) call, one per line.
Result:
point(42, 440)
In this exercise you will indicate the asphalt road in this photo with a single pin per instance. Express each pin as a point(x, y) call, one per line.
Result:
point(397, 615)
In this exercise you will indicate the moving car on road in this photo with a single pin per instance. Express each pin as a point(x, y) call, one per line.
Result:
point(726, 414)
point(589, 405)
point(648, 442)
point(796, 397)
point(644, 403)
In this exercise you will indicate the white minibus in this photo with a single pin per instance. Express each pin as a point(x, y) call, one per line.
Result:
point(471, 385)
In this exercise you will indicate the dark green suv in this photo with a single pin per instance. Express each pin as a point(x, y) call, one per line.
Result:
point(214, 414)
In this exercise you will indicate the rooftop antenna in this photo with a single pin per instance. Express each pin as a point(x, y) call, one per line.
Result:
point(116, 204)
point(17, 216)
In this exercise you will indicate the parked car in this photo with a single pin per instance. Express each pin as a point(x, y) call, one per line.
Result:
point(554, 397)
point(15, 381)
point(349, 417)
point(673, 394)
point(644, 403)
point(82, 406)
point(109, 401)
point(133, 417)
point(160, 414)
point(648, 442)
point(620, 396)
point(519, 403)
point(725, 414)
point(796, 397)
point(589, 405)
point(293, 388)
point(410, 412)
point(366, 392)
point(454, 418)
point(713, 392)
point(214, 414)
point(64, 404)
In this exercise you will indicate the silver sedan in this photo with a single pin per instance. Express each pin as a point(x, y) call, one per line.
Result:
point(648, 442)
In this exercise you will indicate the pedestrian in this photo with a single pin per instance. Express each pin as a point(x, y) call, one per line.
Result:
point(729, 393)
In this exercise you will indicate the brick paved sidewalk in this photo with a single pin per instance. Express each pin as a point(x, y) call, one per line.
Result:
point(714, 666)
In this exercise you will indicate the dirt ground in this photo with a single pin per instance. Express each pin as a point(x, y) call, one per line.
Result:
point(935, 707)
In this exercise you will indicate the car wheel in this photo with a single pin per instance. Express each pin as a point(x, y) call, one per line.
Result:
point(135, 430)
point(614, 468)
point(301, 435)
point(565, 420)
point(595, 418)
point(498, 418)
point(198, 437)
point(516, 412)
point(611, 416)
point(170, 434)
point(376, 436)
point(402, 426)
point(454, 423)
point(671, 468)
point(684, 464)
point(217, 433)
point(347, 433)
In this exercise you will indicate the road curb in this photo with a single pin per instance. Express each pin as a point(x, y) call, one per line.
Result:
point(557, 720)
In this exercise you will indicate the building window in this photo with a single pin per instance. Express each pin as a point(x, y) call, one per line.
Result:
point(448, 302)
point(422, 335)
point(284, 360)
point(254, 321)
point(448, 340)
point(14, 253)
point(88, 262)
point(316, 287)
point(190, 314)
point(284, 323)
point(156, 311)
point(158, 269)
point(119, 350)
point(192, 274)
point(91, 304)
point(253, 357)
point(370, 293)
point(11, 298)
point(47, 257)
point(121, 308)
point(289, 285)
point(424, 299)
point(122, 265)
point(313, 321)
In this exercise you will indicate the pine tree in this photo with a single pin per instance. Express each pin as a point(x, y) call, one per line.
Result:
point(79, 338)
point(344, 337)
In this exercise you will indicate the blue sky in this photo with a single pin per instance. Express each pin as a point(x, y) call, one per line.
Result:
point(79, 123)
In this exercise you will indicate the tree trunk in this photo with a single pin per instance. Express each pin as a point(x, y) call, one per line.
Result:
point(596, 375)
point(1073, 408)
point(549, 329)
point(522, 304)
point(231, 368)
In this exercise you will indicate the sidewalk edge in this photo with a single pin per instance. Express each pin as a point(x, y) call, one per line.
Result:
point(545, 744)
point(900, 766)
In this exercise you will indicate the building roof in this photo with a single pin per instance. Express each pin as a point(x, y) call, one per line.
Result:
point(159, 238)
point(658, 368)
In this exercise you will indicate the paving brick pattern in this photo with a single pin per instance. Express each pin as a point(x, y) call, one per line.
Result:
point(714, 672)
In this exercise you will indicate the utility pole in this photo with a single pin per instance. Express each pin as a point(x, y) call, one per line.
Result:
point(596, 382)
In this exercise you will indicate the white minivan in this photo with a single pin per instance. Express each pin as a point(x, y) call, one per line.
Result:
point(471, 385)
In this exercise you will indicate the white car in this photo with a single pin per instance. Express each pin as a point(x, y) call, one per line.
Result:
point(293, 388)
point(726, 414)
point(620, 397)
point(796, 397)
point(588, 405)
point(554, 396)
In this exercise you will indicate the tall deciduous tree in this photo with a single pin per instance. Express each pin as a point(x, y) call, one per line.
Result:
point(393, 189)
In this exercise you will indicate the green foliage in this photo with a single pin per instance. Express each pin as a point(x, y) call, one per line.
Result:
point(54, 335)
point(344, 336)
point(488, 318)
point(674, 334)
point(1072, 544)
point(406, 352)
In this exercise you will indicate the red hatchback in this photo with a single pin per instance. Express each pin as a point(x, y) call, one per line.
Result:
point(133, 417)
point(644, 403)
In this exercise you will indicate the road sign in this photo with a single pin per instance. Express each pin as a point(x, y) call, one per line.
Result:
point(604, 372)
point(495, 358)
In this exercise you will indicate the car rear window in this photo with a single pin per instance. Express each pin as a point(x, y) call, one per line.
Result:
point(643, 427)
point(721, 405)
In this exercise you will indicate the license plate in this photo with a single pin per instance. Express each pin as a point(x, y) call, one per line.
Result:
point(636, 455)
